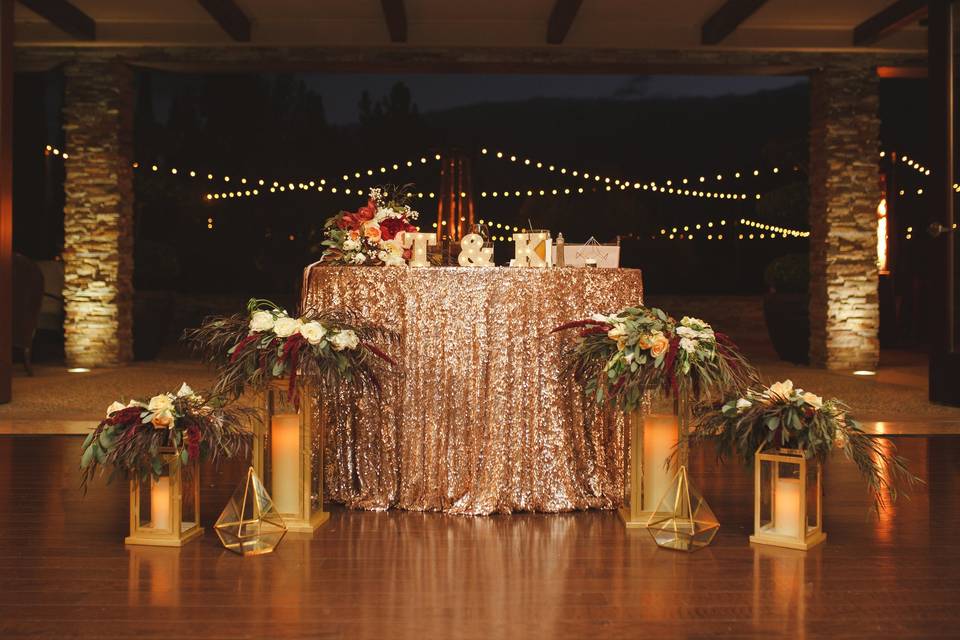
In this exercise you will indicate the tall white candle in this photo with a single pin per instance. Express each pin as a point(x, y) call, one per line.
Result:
point(160, 503)
point(786, 515)
point(285, 462)
point(660, 433)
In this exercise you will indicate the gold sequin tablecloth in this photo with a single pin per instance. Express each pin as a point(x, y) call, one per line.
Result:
point(480, 418)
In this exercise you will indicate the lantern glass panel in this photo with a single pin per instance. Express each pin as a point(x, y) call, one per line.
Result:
point(316, 469)
point(813, 496)
point(189, 510)
point(155, 501)
point(766, 493)
point(786, 501)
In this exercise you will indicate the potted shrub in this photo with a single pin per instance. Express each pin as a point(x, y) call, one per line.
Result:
point(786, 306)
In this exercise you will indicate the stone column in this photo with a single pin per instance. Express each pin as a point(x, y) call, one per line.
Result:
point(98, 213)
point(844, 192)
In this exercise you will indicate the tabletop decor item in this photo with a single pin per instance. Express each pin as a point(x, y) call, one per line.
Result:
point(682, 521)
point(250, 524)
point(159, 444)
point(787, 434)
point(369, 235)
point(285, 360)
point(618, 359)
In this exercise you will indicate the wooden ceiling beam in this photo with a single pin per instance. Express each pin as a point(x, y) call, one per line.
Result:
point(65, 17)
point(561, 19)
point(893, 18)
point(727, 18)
point(230, 17)
point(395, 14)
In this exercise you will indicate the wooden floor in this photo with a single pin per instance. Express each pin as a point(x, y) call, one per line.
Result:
point(64, 571)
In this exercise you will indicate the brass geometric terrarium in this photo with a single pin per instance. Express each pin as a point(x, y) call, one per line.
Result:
point(250, 524)
point(787, 500)
point(165, 511)
point(683, 520)
point(283, 446)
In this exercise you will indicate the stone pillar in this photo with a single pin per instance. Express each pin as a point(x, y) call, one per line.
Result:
point(844, 192)
point(98, 213)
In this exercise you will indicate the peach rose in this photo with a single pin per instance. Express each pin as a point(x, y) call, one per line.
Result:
point(645, 341)
point(659, 346)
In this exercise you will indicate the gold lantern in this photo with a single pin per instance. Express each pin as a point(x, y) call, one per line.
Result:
point(165, 511)
point(283, 457)
point(787, 507)
point(653, 439)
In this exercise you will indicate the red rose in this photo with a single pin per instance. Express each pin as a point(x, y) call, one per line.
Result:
point(390, 227)
point(366, 213)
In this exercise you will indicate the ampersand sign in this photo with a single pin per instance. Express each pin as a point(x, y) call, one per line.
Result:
point(473, 253)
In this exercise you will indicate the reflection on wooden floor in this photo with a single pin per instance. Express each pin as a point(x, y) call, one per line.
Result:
point(65, 570)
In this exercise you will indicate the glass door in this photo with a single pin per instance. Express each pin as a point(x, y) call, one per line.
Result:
point(944, 272)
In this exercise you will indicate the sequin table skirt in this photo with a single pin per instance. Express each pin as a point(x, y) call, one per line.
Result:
point(479, 418)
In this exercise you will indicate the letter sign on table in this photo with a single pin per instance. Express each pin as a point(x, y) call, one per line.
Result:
point(473, 253)
point(526, 254)
point(419, 241)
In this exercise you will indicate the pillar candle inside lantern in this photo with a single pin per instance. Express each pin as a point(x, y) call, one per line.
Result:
point(786, 517)
point(285, 462)
point(660, 434)
point(160, 503)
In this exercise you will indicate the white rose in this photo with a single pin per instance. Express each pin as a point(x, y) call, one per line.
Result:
point(351, 245)
point(359, 258)
point(743, 404)
point(687, 332)
point(345, 339)
point(185, 390)
point(782, 390)
point(688, 345)
point(391, 260)
point(114, 407)
point(618, 331)
point(286, 326)
point(814, 401)
point(313, 332)
point(160, 404)
point(261, 321)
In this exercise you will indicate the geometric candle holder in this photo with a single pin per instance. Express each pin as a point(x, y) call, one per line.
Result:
point(683, 520)
point(283, 457)
point(787, 500)
point(653, 440)
point(250, 525)
point(165, 512)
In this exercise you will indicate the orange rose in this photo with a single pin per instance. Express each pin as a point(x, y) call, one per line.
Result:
point(645, 341)
point(372, 233)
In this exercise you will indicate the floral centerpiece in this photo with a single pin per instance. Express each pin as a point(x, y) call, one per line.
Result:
point(132, 436)
point(782, 416)
point(617, 357)
point(371, 234)
point(266, 343)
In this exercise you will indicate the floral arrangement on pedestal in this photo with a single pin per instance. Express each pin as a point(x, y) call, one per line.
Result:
point(132, 435)
point(251, 350)
point(371, 235)
point(617, 358)
point(782, 416)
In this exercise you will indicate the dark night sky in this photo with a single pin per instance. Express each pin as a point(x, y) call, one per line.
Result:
point(436, 92)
